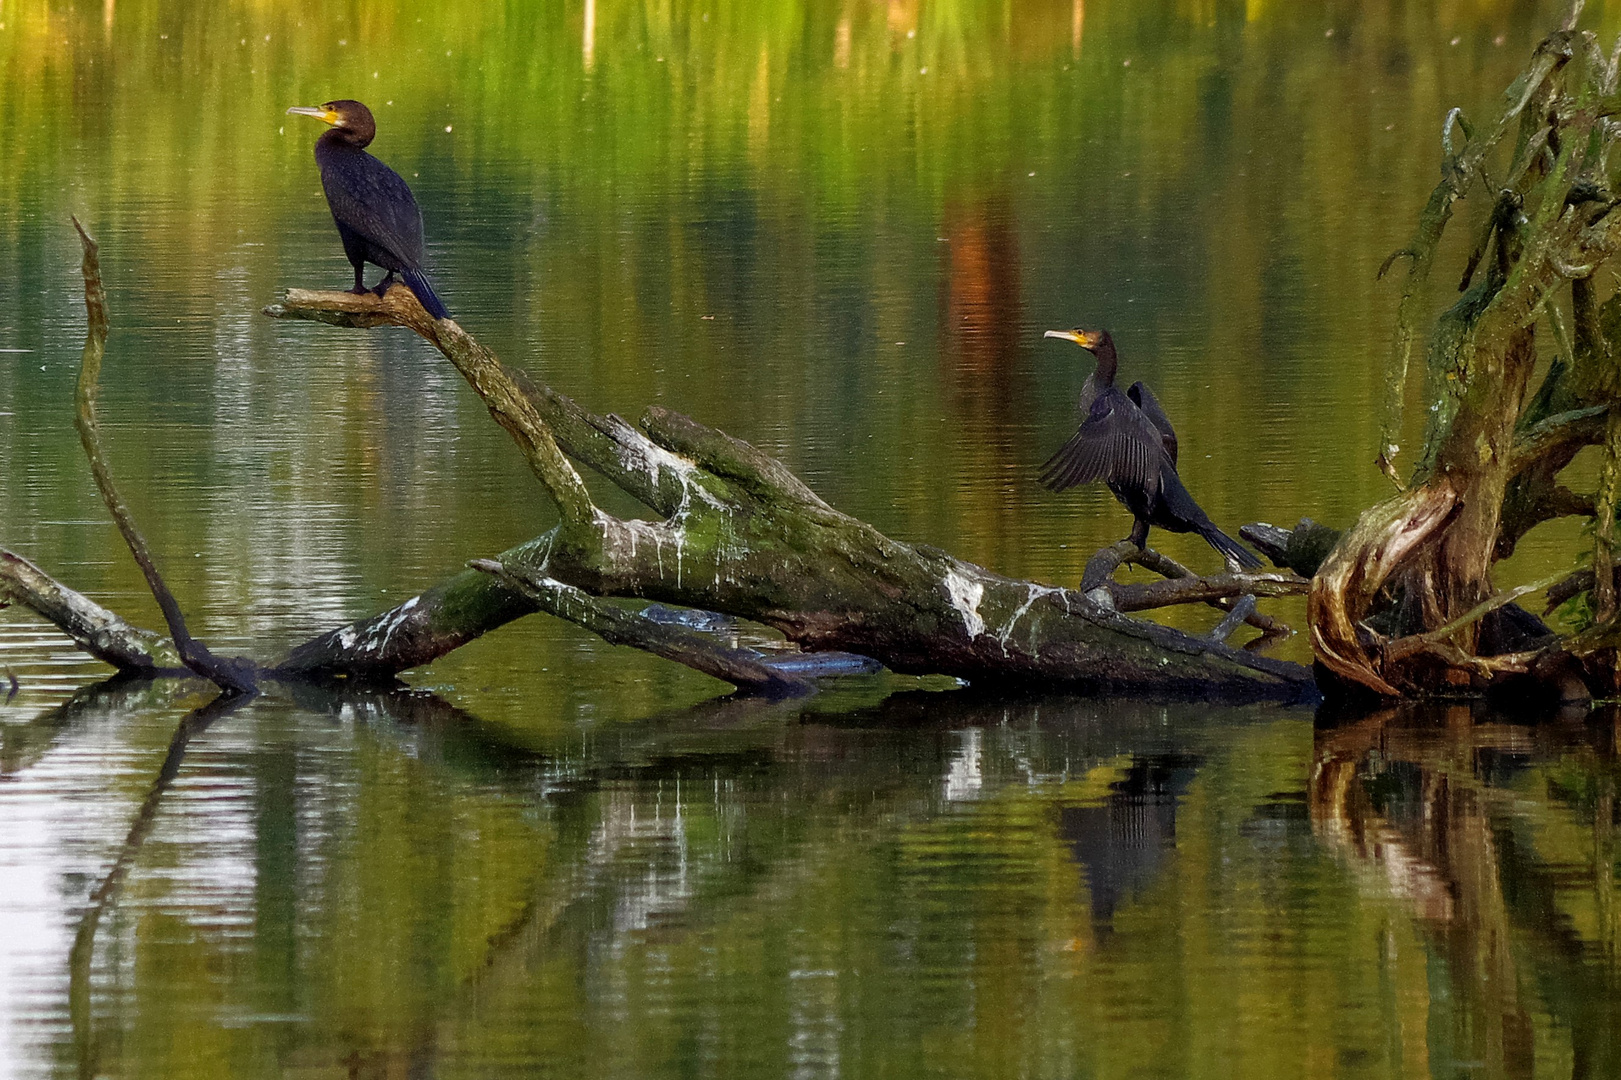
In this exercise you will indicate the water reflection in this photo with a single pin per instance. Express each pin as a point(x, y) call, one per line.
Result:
point(1123, 842)
point(1498, 838)
point(382, 882)
point(742, 211)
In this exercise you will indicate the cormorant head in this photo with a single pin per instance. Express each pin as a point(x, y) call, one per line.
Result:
point(1092, 341)
point(351, 121)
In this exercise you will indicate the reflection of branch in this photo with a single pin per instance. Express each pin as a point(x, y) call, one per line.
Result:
point(227, 673)
point(21, 745)
point(80, 957)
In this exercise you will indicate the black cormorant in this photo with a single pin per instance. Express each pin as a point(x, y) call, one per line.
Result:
point(1126, 441)
point(375, 211)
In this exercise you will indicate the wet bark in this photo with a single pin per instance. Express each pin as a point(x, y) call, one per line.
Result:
point(99, 632)
point(1391, 605)
point(734, 531)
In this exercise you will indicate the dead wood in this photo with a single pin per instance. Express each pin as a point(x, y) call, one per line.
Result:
point(228, 673)
point(743, 668)
point(99, 632)
point(1418, 566)
point(740, 534)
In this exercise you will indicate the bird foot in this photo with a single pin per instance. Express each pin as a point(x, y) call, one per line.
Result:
point(382, 287)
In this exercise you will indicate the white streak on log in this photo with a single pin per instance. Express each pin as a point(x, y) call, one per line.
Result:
point(965, 596)
point(1036, 592)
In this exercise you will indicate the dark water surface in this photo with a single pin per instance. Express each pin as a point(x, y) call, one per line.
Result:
point(836, 230)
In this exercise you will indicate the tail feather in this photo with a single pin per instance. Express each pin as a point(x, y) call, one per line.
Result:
point(1230, 548)
point(418, 281)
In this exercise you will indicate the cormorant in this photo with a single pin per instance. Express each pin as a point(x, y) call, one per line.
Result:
point(376, 214)
point(1126, 441)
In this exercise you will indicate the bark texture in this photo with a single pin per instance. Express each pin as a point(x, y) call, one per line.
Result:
point(1401, 605)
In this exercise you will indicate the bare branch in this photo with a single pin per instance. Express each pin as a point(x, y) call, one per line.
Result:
point(97, 631)
point(1578, 427)
point(229, 673)
point(741, 667)
point(1202, 590)
point(509, 397)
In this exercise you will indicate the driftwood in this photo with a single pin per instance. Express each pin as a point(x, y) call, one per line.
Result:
point(734, 532)
point(1404, 604)
point(740, 534)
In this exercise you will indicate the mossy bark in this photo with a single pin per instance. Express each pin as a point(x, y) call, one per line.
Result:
point(738, 533)
point(1422, 560)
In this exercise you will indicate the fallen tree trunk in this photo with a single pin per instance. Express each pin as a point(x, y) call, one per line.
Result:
point(736, 532)
point(740, 534)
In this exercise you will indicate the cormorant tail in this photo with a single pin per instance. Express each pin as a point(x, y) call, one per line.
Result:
point(1229, 548)
point(418, 281)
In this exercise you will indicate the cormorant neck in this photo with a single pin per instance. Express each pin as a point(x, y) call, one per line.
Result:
point(1108, 362)
point(348, 137)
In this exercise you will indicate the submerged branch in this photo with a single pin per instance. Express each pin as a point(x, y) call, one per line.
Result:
point(741, 667)
point(93, 628)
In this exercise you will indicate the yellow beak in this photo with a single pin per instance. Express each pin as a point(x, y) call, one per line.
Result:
point(326, 116)
point(1085, 339)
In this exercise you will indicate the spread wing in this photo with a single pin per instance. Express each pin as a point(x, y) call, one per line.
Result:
point(1116, 443)
point(371, 199)
point(1149, 404)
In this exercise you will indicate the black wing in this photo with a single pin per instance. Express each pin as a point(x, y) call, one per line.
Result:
point(370, 198)
point(1117, 443)
point(1149, 404)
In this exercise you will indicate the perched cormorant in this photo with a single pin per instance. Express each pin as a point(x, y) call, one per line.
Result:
point(1126, 441)
point(375, 211)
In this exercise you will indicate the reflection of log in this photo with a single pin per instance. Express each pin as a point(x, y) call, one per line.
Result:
point(741, 535)
point(1436, 840)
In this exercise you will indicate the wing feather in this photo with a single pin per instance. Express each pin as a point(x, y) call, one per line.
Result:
point(1116, 443)
point(1149, 404)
